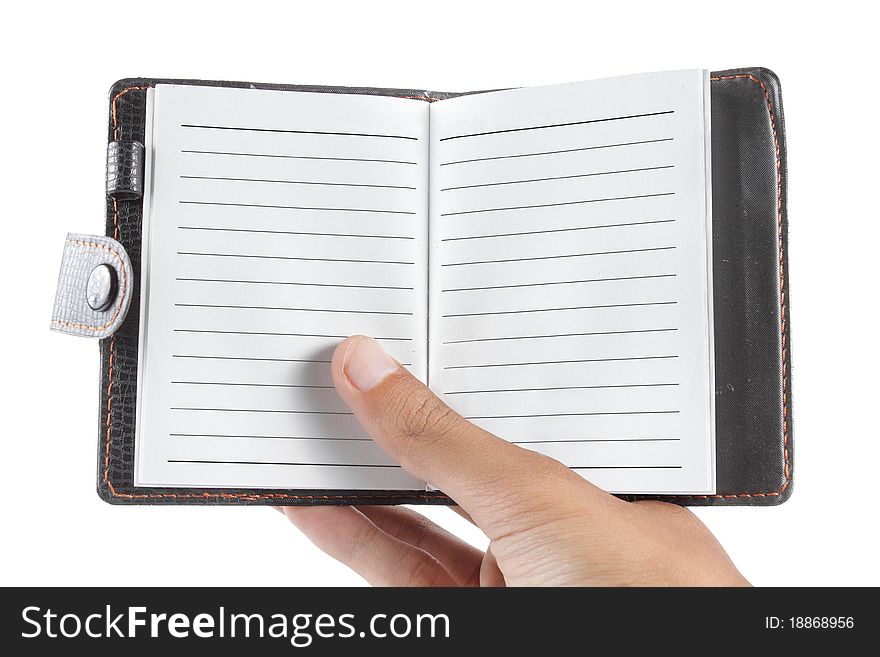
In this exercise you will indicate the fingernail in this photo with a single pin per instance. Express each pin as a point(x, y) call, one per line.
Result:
point(366, 364)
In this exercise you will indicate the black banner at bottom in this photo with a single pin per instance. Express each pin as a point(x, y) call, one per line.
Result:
point(428, 621)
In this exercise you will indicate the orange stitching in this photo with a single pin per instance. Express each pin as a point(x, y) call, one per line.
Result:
point(102, 247)
point(109, 409)
point(785, 451)
point(115, 223)
point(115, 99)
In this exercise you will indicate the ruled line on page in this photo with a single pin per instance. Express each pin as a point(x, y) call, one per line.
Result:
point(557, 257)
point(283, 334)
point(294, 182)
point(556, 388)
point(560, 125)
point(294, 232)
point(546, 283)
point(295, 207)
point(252, 385)
point(247, 436)
point(285, 308)
point(584, 414)
point(302, 258)
point(296, 132)
point(557, 230)
point(299, 157)
point(382, 465)
point(258, 410)
point(558, 152)
point(558, 362)
point(558, 204)
point(624, 467)
point(293, 463)
point(559, 335)
point(564, 308)
point(302, 283)
point(254, 358)
point(595, 440)
point(566, 177)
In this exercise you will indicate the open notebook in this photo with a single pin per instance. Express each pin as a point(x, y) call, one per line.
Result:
point(541, 257)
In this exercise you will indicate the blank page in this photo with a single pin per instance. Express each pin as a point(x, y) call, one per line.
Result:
point(275, 225)
point(570, 285)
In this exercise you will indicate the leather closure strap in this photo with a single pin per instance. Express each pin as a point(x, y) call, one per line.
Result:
point(94, 287)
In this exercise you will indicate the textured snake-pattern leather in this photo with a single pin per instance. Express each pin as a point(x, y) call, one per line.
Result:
point(125, 169)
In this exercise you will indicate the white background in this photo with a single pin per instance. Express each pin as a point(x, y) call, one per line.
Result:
point(58, 63)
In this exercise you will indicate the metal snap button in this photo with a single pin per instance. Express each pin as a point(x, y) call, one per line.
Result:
point(101, 287)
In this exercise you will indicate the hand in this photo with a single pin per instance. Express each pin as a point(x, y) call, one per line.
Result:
point(547, 526)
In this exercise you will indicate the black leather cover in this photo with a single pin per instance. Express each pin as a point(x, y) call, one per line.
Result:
point(752, 328)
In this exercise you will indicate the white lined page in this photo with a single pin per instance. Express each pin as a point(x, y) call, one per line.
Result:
point(275, 225)
point(570, 286)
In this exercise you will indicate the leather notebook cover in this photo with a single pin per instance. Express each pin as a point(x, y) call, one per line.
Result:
point(753, 405)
